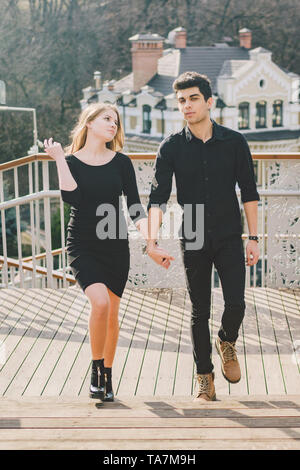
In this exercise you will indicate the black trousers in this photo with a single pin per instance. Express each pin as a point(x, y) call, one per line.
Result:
point(229, 260)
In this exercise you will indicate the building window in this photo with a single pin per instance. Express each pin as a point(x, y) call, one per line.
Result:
point(261, 114)
point(146, 119)
point(243, 120)
point(277, 114)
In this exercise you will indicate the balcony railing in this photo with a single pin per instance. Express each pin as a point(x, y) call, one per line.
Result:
point(28, 216)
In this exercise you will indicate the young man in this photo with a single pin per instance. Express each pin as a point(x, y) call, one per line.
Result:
point(207, 160)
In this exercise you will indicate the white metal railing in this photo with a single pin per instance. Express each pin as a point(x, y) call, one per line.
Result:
point(278, 176)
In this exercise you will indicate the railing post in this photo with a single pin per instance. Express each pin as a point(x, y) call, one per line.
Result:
point(47, 224)
point(32, 227)
point(4, 241)
point(263, 225)
point(37, 207)
point(19, 241)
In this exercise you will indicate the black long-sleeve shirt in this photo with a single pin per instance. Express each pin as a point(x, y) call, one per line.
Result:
point(206, 173)
point(101, 185)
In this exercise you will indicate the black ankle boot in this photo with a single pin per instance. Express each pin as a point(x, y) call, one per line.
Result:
point(109, 394)
point(97, 387)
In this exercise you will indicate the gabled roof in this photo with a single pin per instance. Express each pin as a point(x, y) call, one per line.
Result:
point(209, 60)
point(205, 60)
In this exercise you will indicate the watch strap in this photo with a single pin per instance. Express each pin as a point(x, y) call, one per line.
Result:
point(253, 237)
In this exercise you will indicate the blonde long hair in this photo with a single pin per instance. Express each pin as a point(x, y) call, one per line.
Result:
point(79, 133)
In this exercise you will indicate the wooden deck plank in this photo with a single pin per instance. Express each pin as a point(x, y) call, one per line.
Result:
point(9, 302)
point(150, 422)
point(71, 344)
point(13, 312)
point(155, 434)
point(137, 322)
point(255, 369)
point(165, 315)
point(38, 341)
point(21, 337)
point(183, 382)
point(170, 345)
point(291, 300)
point(147, 367)
point(285, 344)
point(145, 413)
point(64, 318)
point(79, 370)
point(148, 373)
point(293, 322)
point(296, 299)
point(273, 373)
point(203, 444)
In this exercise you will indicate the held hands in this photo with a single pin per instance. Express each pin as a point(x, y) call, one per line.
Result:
point(54, 149)
point(160, 256)
point(252, 253)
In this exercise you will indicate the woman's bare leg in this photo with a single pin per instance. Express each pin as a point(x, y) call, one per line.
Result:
point(112, 329)
point(98, 321)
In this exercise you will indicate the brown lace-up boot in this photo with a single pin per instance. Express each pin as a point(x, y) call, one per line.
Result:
point(230, 364)
point(205, 388)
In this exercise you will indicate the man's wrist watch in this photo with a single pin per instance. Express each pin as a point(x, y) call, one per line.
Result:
point(253, 237)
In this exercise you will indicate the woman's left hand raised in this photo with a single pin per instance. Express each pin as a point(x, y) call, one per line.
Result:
point(54, 149)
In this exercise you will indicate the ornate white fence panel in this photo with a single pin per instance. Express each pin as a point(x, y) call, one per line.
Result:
point(283, 217)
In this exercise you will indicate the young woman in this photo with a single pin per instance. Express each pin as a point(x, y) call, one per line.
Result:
point(92, 178)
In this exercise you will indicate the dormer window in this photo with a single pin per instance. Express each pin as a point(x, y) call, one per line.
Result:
point(146, 119)
point(261, 115)
point(277, 116)
point(243, 119)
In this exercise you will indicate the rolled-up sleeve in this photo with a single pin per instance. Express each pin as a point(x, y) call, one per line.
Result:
point(73, 197)
point(245, 172)
point(130, 190)
point(161, 185)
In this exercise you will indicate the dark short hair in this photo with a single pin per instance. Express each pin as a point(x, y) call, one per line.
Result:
point(190, 79)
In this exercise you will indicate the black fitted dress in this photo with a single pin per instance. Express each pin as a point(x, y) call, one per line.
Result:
point(97, 237)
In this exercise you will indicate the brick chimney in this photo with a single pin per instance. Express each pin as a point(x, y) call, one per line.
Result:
point(245, 36)
point(180, 38)
point(146, 49)
point(177, 38)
